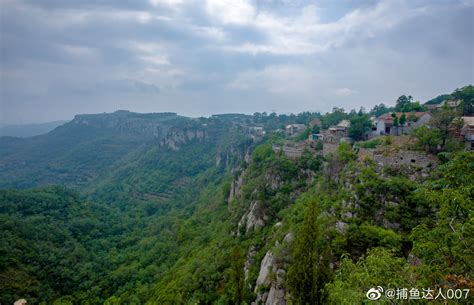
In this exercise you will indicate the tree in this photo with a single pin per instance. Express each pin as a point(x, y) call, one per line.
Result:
point(402, 102)
point(360, 124)
point(337, 115)
point(402, 120)
point(395, 119)
point(336, 162)
point(406, 104)
point(443, 119)
point(378, 268)
point(315, 129)
point(439, 99)
point(237, 275)
point(379, 110)
point(466, 96)
point(310, 268)
point(414, 107)
point(428, 138)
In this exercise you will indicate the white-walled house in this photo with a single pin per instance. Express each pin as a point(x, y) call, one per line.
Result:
point(384, 123)
point(295, 128)
point(467, 131)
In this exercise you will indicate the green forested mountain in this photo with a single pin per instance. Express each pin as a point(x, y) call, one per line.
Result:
point(129, 208)
point(28, 130)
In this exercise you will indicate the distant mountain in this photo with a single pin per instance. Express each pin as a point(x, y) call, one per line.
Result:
point(439, 99)
point(28, 130)
point(91, 147)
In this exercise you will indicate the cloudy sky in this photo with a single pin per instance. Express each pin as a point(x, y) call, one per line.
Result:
point(64, 57)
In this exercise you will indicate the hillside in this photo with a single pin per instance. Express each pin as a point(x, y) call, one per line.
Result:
point(28, 130)
point(128, 208)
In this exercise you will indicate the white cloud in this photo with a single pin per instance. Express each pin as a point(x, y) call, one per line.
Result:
point(343, 92)
point(210, 32)
point(304, 33)
point(166, 2)
point(146, 47)
point(79, 51)
point(231, 11)
point(155, 59)
point(149, 52)
point(277, 79)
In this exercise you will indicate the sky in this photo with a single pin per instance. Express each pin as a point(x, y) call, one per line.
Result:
point(65, 57)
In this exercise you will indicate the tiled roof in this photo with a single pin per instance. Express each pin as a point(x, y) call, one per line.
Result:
point(468, 120)
point(387, 117)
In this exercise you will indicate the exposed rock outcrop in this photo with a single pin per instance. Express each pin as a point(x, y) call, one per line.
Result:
point(235, 186)
point(274, 181)
point(254, 218)
point(265, 268)
point(147, 126)
point(289, 237)
point(175, 138)
point(277, 293)
point(270, 276)
point(249, 261)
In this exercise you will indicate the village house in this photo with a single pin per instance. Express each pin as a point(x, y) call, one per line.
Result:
point(315, 122)
point(290, 149)
point(333, 136)
point(338, 131)
point(450, 103)
point(295, 128)
point(385, 123)
point(467, 131)
point(315, 137)
point(257, 130)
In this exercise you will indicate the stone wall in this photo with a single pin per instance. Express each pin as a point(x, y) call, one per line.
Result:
point(329, 148)
point(414, 160)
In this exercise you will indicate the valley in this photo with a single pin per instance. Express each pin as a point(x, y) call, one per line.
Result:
point(129, 208)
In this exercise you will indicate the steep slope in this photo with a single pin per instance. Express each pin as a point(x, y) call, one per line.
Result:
point(139, 176)
point(202, 214)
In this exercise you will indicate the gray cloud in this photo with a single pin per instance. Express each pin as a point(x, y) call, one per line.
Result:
point(60, 58)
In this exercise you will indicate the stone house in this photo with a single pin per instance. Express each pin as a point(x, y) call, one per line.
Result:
point(340, 130)
point(294, 128)
point(384, 123)
point(257, 130)
point(315, 137)
point(291, 150)
point(467, 131)
point(315, 122)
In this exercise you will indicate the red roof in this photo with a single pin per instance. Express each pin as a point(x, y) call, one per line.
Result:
point(387, 117)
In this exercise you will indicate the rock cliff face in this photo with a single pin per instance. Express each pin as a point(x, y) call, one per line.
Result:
point(151, 126)
point(273, 181)
point(235, 186)
point(253, 219)
point(265, 268)
point(270, 276)
point(175, 138)
point(169, 129)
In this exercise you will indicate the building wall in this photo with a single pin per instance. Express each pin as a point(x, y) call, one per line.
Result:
point(329, 148)
point(421, 121)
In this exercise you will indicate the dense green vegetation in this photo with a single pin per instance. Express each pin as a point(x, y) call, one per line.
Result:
point(440, 243)
point(360, 124)
point(465, 95)
point(124, 212)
